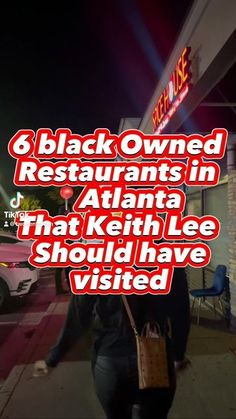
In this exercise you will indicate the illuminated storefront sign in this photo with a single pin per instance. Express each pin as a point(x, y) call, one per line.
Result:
point(174, 93)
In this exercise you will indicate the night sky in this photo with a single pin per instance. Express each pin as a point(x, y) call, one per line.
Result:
point(81, 66)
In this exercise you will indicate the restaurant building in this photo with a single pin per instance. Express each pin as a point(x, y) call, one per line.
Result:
point(197, 93)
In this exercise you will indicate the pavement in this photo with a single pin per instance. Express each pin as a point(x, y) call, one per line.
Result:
point(23, 316)
point(205, 390)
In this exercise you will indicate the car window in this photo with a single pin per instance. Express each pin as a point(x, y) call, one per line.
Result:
point(5, 239)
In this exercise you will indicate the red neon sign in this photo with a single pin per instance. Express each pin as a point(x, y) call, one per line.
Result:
point(174, 93)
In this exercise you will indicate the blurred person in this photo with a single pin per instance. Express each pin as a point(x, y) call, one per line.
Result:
point(114, 360)
point(59, 271)
point(59, 281)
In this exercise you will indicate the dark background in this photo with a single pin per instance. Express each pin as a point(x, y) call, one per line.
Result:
point(81, 66)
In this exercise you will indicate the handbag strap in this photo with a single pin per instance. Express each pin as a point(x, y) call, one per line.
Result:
point(129, 313)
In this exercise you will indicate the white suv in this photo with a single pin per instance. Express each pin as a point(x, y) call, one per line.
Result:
point(10, 238)
point(17, 276)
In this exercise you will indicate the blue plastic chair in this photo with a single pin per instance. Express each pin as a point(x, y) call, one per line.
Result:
point(216, 290)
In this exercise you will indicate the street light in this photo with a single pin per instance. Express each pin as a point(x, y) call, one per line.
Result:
point(66, 193)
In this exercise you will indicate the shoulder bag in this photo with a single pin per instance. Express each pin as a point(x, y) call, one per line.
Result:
point(151, 353)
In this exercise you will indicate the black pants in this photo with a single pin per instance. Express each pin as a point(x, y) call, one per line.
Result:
point(58, 279)
point(116, 384)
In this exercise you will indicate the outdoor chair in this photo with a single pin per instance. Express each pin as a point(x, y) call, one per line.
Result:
point(216, 290)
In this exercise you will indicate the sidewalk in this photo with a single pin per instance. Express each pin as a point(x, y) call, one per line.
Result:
point(19, 323)
point(206, 390)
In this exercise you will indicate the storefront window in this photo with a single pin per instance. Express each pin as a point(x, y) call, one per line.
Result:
point(193, 207)
point(193, 204)
point(216, 203)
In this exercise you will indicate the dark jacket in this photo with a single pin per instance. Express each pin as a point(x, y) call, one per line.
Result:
point(113, 333)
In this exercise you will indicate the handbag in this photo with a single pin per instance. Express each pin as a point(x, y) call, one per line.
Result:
point(151, 353)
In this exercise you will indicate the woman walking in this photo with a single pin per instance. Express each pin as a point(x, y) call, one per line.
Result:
point(114, 361)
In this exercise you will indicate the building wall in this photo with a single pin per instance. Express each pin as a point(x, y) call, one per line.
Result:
point(232, 242)
point(206, 29)
point(128, 123)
